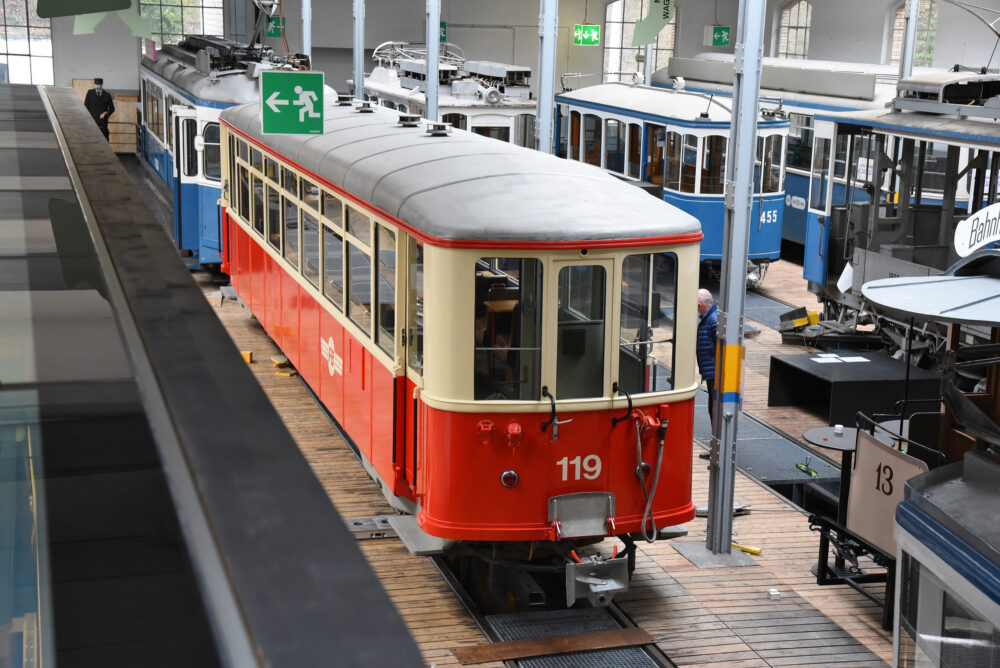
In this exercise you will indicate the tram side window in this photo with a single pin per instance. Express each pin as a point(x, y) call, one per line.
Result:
point(333, 267)
point(415, 306)
point(243, 150)
point(310, 194)
point(153, 108)
point(508, 329)
point(244, 196)
point(524, 130)
point(574, 135)
point(359, 266)
point(289, 181)
point(385, 288)
point(190, 154)
point(493, 132)
point(231, 162)
point(333, 209)
point(592, 140)
point(648, 312)
point(580, 344)
point(358, 225)
point(273, 217)
point(634, 150)
point(672, 170)
point(258, 205)
point(614, 142)
point(713, 165)
point(563, 116)
point(820, 174)
point(768, 164)
point(800, 140)
point(458, 121)
point(310, 248)
point(290, 231)
point(689, 163)
point(271, 169)
point(256, 160)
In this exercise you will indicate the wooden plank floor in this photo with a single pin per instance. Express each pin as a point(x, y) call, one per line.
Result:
point(698, 617)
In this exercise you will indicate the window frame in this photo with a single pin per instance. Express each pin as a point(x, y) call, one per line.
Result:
point(615, 48)
point(799, 50)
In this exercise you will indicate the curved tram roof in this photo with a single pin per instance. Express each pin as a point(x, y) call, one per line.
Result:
point(466, 188)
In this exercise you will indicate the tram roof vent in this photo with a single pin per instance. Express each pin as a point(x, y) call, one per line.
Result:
point(364, 106)
point(409, 120)
point(344, 100)
point(438, 129)
point(959, 93)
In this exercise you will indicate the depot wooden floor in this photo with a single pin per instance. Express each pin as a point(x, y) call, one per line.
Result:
point(698, 617)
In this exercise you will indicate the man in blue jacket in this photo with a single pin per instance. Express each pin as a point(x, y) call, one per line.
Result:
point(707, 324)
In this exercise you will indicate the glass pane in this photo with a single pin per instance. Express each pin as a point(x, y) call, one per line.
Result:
point(592, 140)
point(243, 150)
point(310, 194)
point(333, 267)
point(256, 160)
point(359, 268)
point(415, 305)
point(190, 154)
point(634, 150)
point(646, 337)
point(713, 165)
point(310, 248)
point(40, 41)
point(41, 71)
point(385, 286)
point(820, 172)
point(689, 163)
point(289, 181)
point(291, 231)
point(508, 329)
point(614, 146)
point(244, 202)
point(258, 204)
point(212, 155)
point(273, 218)
point(772, 164)
point(16, 12)
point(574, 135)
point(271, 169)
point(654, 152)
point(580, 345)
point(17, 40)
point(800, 139)
point(332, 208)
point(358, 224)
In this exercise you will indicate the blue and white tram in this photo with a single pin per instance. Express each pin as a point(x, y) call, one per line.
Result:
point(184, 87)
point(802, 88)
point(674, 144)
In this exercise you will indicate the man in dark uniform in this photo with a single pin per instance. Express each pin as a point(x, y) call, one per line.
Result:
point(98, 103)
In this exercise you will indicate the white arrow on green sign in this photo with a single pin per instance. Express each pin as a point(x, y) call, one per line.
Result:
point(291, 103)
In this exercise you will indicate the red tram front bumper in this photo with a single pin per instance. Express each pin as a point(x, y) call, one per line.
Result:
point(464, 457)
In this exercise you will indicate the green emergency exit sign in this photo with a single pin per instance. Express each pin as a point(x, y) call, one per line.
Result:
point(275, 26)
point(720, 35)
point(444, 31)
point(587, 35)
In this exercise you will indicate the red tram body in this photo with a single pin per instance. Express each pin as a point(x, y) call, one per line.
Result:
point(447, 297)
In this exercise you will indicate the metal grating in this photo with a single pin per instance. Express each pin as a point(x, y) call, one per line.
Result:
point(567, 622)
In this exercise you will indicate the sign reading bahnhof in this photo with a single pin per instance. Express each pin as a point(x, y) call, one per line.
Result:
point(291, 103)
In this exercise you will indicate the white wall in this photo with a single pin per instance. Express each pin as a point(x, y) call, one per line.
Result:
point(110, 52)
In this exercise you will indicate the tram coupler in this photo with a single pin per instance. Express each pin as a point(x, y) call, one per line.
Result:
point(595, 579)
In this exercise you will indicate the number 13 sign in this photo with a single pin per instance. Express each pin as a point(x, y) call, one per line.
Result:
point(877, 483)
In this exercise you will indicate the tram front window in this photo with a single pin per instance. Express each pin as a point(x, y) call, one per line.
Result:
point(646, 338)
point(508, 329)
point(580, 345)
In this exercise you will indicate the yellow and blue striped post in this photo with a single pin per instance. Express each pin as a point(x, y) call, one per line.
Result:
point(747, 60)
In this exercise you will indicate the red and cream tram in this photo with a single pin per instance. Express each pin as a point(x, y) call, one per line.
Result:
point(507, 338)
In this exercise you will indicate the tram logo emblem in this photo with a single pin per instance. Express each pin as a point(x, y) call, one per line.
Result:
point(334, 362)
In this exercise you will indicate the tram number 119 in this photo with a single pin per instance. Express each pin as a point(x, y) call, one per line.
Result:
point(590, 465)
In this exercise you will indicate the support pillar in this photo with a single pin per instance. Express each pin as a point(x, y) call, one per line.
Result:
point(748, 57)
point(359, 49)
point(433, 47)
point(307, 20)
point(909, 39)
point(548, 33)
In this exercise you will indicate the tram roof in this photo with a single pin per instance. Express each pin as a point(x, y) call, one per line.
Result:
point(464, 187)
point(203, 89)
point(946, 128)
point(690, 108)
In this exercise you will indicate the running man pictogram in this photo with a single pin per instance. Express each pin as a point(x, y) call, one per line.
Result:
point(306, 100)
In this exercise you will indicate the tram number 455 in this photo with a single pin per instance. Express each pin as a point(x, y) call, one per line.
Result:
point(883, 478)
point(768, 217)
point(589, 465)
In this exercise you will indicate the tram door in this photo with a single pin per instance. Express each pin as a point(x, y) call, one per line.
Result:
point(814, 264)
point(186, 205)
point(413, 339)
